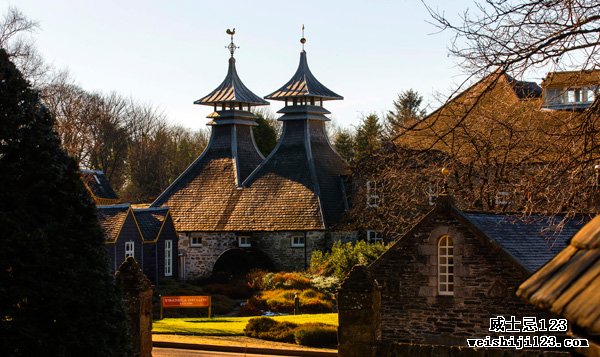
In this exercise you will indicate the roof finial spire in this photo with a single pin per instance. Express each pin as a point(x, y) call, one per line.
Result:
point(232, 47)
point(303, 40)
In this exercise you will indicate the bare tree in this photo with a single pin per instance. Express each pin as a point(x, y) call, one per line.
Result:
point(15, 38)
point(518, 35)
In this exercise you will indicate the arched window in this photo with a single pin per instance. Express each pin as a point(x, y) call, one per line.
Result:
point(445, 266)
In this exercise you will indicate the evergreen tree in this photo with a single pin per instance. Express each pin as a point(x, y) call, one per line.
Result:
point(407, 110)
point(265, 134)
point(344, 144)
point(368, 137)
point(57, 297)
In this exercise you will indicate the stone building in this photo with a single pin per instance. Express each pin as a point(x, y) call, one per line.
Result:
point(444, 279)
point(235, 209)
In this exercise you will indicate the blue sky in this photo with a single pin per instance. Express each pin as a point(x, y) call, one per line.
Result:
point(170, 53)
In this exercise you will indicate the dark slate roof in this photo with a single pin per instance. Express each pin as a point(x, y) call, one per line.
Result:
point(303, 84)
point(111, 219)
point(231, 90)
point(569, 285)
point(150, 221)
point(301, 180)
point(525, 90)
point(532, 241)
point(98, 184)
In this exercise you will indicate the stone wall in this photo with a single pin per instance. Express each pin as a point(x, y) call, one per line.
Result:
point(199, 261)
point(359, 314)
point(412, 311)
point(278, 246)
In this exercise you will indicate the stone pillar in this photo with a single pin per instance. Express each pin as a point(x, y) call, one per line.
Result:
point(359, 302)
point(137, 295)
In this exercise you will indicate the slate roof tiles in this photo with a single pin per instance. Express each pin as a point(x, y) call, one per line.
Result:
point(569, 285)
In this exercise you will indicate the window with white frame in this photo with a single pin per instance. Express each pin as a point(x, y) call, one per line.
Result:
point(244, 242)
point(445, 266)
point(129, 249)
point(298, 240)
point(195, 241)
point(374, 237)
point(374, 193)
point(168, 257)
point(432, 193)
point(502, 198)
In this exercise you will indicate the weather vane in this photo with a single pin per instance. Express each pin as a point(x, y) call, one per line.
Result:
point(303, 40)
point(232, 47)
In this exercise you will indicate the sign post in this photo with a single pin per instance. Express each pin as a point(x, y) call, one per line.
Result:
point(191, 302)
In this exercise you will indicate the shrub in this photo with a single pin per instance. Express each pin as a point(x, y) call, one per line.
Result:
point(281, 300)
point(268, 329)
point(235, 290)
point(286, 280)
point(249, 310)
point(281, 332)
point(258, 325)
point(343, 257)
point(316, 335)
point(327, 284)
point(255, 279)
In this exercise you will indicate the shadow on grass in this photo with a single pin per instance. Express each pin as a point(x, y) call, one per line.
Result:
point(209, 321)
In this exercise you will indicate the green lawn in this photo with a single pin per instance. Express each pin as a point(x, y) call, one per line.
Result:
point(228, 326)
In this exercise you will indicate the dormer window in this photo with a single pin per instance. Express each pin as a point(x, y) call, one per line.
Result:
point(374, 193)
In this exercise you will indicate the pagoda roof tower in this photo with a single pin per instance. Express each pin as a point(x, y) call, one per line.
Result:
point(303, 84)
point(201, 197)
point(304, 167)
point(231, 93)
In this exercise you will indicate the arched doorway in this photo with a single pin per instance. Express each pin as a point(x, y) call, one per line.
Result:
point(235, 263)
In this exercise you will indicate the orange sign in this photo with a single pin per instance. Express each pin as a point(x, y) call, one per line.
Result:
point(185, 301)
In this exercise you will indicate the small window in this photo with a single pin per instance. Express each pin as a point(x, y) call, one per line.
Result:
point(374, 237)
point(195, 241)
point(502, 198)
point(445, 266)
point(168, 258)
point(298, 240)
point(374, 193)
point(590, 94)
point(244, 242)
point(432, 193)
point(129, 249)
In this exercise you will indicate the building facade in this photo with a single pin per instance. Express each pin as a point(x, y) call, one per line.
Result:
point(441, 282)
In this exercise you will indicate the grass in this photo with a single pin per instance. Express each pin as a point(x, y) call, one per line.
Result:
point(228, 326)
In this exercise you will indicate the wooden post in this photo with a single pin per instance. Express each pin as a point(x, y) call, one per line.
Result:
point(161, 307)
point(209, 306)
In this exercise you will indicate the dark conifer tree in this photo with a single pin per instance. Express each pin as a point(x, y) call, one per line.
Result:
point(57, 297)
point(368, 138)
point(265, 135)
point(344, 145)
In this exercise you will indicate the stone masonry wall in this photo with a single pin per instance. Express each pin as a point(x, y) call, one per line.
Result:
point(485, 282)
point(199, 261)
point(278, 246)
point(412, 311)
